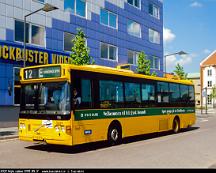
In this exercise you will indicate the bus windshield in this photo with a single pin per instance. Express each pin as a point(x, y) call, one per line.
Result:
point(50, 98)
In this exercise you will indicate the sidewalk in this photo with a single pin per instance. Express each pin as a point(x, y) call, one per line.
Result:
point(210, 112)
point(8, 133)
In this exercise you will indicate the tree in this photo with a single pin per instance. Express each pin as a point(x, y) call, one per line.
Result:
point(213, 95)
point(80, 52)
point(179, 71)
point(143, 64)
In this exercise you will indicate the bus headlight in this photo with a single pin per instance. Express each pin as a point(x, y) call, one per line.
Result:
point(22, 126)
point(57, 129)
point(62, 128)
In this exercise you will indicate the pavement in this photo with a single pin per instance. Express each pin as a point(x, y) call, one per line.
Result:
point(9, 130)
point(8, 133)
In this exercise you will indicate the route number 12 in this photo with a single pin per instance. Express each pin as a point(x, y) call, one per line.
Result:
point(28, 74)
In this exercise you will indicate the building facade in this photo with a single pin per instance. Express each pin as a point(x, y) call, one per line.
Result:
point(208, 79)
point(116, 30)
point(195, 77)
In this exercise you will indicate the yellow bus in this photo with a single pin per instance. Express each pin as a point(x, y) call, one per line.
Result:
point(70, 105)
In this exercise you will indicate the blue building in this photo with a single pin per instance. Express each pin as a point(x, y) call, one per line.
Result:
point(116, 31)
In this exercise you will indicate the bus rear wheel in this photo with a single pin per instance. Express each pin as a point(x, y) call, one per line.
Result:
point(114, 135)
point(176, 125)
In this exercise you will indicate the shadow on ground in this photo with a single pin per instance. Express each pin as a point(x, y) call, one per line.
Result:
point(7, 133)
point(100, 145)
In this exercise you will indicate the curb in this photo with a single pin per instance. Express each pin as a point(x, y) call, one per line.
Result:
point(9, 137)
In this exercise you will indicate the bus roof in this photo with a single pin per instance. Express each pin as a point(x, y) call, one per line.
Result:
point(114, 71)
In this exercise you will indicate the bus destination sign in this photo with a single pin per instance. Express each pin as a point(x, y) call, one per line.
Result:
point(45, 72)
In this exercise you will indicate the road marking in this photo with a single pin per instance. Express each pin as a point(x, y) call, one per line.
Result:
point(201, 120)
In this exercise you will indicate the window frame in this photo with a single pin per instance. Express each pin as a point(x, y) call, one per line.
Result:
point(108, 58)
point(209, 83)
point(30, 34)
point(140, 34)
point(154, 58)
point(135, 57)
point(75, 9)
point(209, 72)
point(86, 42)
point(158, 11)
point(109, 12)
point(40, 1)
point(133, 5)
point(154, 39)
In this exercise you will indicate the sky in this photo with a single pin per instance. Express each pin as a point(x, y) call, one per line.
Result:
point(189, 26)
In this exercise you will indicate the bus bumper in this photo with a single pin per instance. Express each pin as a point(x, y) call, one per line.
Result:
point(28, 131)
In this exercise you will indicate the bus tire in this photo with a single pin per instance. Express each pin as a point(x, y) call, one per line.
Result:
point(176, 125)
point(114, 134)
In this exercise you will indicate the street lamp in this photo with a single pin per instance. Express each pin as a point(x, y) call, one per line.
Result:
point(47, 8)
point(177, 53)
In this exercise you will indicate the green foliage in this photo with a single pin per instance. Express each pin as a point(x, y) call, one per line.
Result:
point(154, 74)
point(213, 92)
point(179, 71)
point(80, 52)
point(143, 64)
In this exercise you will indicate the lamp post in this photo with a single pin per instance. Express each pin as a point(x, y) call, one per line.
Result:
point(177, 53)
point(47, 7)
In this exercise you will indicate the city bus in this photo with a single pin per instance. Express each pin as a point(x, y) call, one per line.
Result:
point(65, 104)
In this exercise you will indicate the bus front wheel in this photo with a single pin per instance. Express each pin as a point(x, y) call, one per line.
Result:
point(114, 135)
point(176, 125)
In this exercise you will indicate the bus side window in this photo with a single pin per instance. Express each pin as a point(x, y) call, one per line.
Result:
point(191, 95)
point(148, 92)
point(184, 94)
point(86, 96)
point(175, 93)
point(132, 95)
point(111, 94)
point(163, 92)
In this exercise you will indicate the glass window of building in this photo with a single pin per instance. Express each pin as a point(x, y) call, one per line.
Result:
point(154, 11)
point(108, 51)
point(19, 31)
point(37, 35)
point(17, 88)
point(108, 18)
point(132, 57)
point(42, 1)
point(77, 7)
point(68, 44)
point(209, 100)
point(154, 36)
point(135, 3)
point(134, 28)
point(209, 72)
point(34, 34)
point(209, 83)
point(155, 62)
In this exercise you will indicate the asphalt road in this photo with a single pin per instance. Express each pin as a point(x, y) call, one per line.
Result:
point(192, 148)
